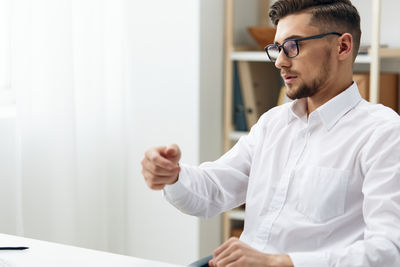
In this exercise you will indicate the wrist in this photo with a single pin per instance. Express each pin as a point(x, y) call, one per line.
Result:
point(177, 176)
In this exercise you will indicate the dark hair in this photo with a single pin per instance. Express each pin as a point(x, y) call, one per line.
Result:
point(329, 15)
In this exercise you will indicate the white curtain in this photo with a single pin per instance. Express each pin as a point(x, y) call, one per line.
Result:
point(69, 76)
point(6, 94)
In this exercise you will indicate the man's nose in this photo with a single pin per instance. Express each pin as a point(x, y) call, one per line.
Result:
point(282, 61)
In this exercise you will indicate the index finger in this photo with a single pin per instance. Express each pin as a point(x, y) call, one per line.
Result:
point(223, 247)
point(154, 156)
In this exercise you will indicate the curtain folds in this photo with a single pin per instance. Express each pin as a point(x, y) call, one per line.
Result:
point(68, 73)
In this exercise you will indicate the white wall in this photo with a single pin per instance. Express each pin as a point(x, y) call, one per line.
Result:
point(164, 82)
point(246, 14)
point(8, 200)
point(176, 94)
point(211, 108)
point(389, 21)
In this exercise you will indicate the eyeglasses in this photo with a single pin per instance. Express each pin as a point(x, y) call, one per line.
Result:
point(291, 46)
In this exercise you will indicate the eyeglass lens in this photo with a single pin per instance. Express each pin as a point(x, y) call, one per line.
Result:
point(289, 47)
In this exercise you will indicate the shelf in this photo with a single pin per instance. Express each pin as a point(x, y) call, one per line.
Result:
point(389, 52)
point(249, 56)
point(262, 56)
point(236, 214)
point(370, 61)
point(235, 135)
point(363, 59)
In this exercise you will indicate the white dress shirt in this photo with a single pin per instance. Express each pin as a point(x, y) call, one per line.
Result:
point(323, 188)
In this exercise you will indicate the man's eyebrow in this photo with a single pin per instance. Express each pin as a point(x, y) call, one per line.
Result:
point(290, 37)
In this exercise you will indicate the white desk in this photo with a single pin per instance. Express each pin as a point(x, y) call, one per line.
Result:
point(46, 254)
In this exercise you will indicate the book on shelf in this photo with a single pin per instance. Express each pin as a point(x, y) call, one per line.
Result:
point(259, 83)
point(249, 98)
point(365, 48)
point(388, 88)
point(239, 116)
point(283, 98)
point(282, 94)
point(236, 232)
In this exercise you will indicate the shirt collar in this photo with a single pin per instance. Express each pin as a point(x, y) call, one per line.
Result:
point(298, 110)
point(331, 111)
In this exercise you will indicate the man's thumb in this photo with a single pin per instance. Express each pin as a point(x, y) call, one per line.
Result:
point(173, 153)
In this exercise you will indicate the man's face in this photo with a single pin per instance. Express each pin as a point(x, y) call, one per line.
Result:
point(306, 74)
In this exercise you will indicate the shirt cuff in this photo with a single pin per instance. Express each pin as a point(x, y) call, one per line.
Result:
point(176, 191)
point(309, 259)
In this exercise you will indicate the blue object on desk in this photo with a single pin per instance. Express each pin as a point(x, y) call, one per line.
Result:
point(203, 262)
point(13, 248)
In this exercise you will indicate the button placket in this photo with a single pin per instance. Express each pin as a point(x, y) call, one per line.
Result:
point(279, 198)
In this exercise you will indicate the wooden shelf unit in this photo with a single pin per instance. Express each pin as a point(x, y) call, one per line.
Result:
point(262, 56)
point(235, 53)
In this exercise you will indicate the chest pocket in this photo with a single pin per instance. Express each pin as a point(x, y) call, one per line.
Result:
point(322, 193)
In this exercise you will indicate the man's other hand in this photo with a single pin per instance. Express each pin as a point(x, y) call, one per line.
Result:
point(160, 166)
point(236, 253)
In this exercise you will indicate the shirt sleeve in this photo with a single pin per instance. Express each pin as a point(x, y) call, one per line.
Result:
point(215, 187)
point(380, 162)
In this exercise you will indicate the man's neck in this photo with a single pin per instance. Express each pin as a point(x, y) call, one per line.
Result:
point(325, 94)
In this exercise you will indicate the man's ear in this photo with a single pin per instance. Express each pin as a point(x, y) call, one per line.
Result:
point(345, 46)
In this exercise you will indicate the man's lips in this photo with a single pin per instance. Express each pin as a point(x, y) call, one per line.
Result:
point(289, 78)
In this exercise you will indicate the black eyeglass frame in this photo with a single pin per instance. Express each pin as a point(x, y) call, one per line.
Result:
point(281, 47)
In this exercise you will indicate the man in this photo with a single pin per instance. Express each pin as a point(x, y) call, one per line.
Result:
point(320, 176)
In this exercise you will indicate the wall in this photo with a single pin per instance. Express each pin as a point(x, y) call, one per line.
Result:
point(211, 108)
point(246, 14)
point(389, 21)
point(176, 80)
point(164, 82)
point(8, 200)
